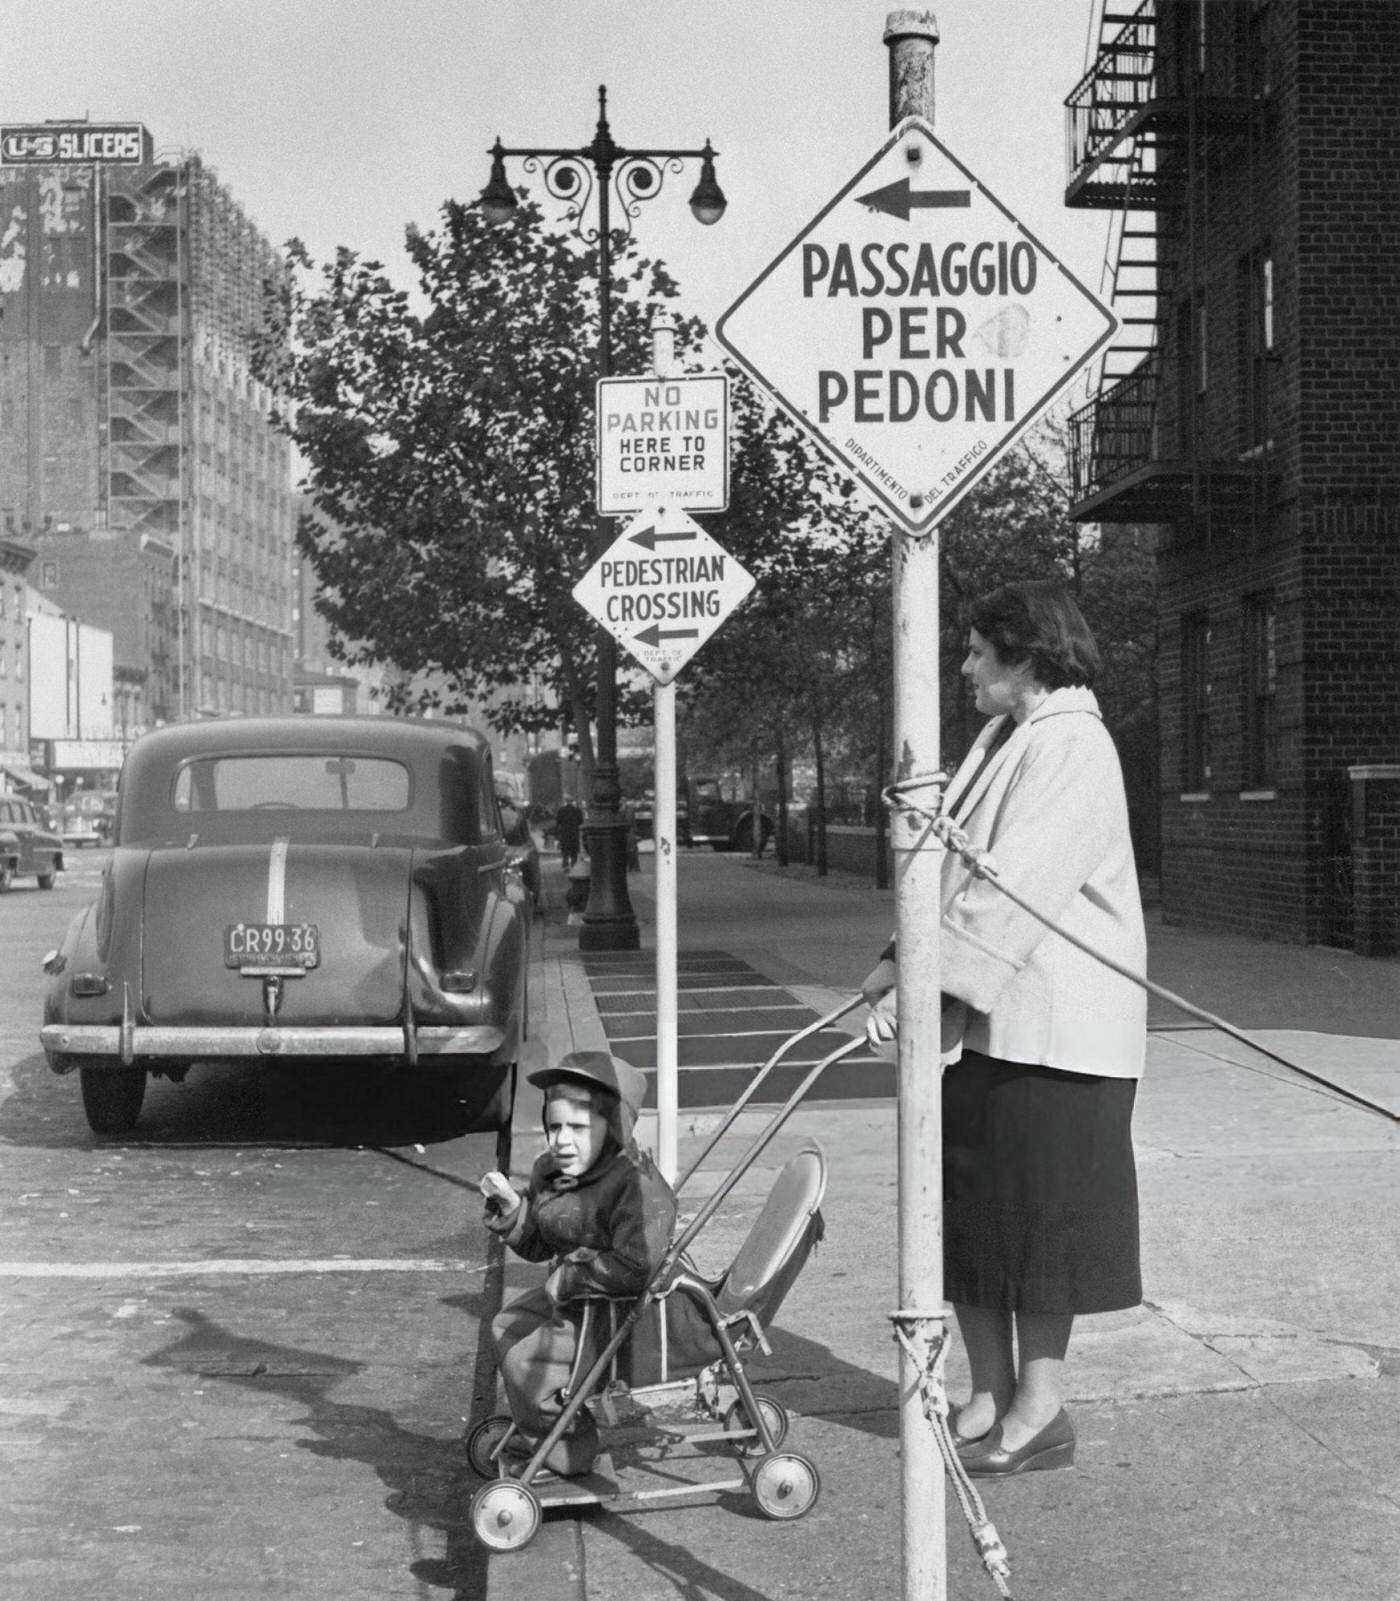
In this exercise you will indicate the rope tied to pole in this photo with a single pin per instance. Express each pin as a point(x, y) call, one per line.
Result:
point(933, 1396)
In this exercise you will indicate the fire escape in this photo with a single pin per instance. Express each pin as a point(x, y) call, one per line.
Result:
point(144, 353)
point(145, 316)
point(1176, 91)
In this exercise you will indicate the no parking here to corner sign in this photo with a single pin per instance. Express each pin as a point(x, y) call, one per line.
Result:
point(662, 588)
point(915, 327)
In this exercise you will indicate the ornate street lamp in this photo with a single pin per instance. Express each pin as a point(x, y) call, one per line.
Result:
point(609, 923)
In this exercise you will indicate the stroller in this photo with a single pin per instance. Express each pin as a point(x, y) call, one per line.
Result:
point(681, 1344)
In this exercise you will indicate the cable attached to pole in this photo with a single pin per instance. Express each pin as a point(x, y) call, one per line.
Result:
point(982, 865)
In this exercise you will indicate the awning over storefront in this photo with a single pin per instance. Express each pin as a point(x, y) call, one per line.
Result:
point(25, 777)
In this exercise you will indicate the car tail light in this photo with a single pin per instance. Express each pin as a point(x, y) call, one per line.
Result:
point(459, 980)
point(89, 983)
point(102, 922)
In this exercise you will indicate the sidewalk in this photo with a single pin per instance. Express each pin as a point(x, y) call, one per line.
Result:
point(1239, 1433)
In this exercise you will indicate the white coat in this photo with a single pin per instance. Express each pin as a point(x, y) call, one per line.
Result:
point(1049, 807)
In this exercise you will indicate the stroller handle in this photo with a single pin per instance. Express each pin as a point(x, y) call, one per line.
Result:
point(761, 1141)
point(752, 1087)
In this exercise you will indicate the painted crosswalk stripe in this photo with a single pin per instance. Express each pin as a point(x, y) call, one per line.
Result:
point(231, 1266)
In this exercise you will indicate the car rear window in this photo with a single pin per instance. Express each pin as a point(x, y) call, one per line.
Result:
point(292, 783)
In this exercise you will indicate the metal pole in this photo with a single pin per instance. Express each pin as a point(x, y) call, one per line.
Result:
point(912, 37)
point(609, 923)
point(663, 336)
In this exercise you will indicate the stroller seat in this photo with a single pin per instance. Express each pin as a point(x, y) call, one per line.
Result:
point(684, 1330)
point(780, 1239)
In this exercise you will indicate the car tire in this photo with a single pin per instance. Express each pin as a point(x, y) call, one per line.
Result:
point(49, 879)
point(112, 1097)
point(7, 877)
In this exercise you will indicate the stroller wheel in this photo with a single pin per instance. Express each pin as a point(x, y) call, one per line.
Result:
point(505, 1515)
point(738, 1421)
point(785, 1486)
point(483, 1442)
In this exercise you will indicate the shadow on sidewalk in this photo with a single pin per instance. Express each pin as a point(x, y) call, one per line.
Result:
point(427, 1477)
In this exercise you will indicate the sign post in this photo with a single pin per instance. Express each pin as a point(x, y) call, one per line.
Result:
point(916, 329)
point(661, 589)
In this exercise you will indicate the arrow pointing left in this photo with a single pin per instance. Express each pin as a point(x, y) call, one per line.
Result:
point(898, 199)
point(650, 538)
point(655, 634)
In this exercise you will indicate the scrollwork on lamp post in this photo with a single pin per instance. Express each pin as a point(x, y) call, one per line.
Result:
point(601, 168)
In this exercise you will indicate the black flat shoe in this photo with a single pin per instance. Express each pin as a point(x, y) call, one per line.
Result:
point(960, 1440)
point(1053, 1447)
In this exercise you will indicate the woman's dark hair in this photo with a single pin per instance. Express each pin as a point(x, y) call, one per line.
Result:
point(1039, 621)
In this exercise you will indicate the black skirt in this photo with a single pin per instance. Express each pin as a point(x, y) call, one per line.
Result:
point(1040, 1209)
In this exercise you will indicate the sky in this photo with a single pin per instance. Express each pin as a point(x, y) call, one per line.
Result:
point(342, 121)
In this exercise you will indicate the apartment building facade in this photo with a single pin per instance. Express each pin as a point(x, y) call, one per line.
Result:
point(1249, 153)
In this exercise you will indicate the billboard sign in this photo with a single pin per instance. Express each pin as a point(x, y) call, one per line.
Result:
point(87, 144)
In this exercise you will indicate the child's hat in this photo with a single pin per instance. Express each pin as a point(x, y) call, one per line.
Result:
point(599, 1070)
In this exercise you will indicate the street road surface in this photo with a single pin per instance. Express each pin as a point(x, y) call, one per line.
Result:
point(239, 1347)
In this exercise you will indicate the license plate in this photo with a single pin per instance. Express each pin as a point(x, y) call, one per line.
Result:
point(286, 948)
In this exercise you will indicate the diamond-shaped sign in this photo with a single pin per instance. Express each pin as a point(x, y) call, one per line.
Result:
point(915, 327)
point(662, 588)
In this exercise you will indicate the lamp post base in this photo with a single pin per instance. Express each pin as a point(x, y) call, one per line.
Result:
point(609, 923)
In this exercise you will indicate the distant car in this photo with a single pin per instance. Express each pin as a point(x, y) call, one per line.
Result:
point(86, 817)
point(9, 859)
point(299, 890)
point(39, 853)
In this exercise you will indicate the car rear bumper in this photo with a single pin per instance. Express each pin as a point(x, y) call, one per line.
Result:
point(121, 1046)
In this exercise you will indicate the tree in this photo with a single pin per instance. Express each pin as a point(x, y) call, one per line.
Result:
point(450, 453)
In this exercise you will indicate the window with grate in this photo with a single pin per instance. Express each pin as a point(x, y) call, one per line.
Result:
point(1195, 701)
point(1260, 691)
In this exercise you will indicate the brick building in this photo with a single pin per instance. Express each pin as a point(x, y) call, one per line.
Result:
point(15, 561)
point(1249, 151)
point(135, 452)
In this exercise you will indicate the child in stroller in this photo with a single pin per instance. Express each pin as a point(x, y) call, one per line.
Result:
point(598, 1209)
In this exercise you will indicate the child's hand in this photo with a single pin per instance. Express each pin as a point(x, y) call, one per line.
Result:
point(497, 1187)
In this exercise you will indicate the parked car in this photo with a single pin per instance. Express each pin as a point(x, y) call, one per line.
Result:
point(86, 817)
point(9, 859)
point(39, 853)
point(715, 820)
point(299, 890)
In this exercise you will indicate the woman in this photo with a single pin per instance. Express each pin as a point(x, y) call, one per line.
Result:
point(1047, 1044)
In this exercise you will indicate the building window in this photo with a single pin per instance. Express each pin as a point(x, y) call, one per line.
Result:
point(1260, 691)
point(1256, 298)
point(1199, 356)
point(1195, 701)
point(48, 575)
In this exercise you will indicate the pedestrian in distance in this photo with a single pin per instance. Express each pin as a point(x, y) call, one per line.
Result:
point(1042, 1045)
point(568, 823)
point(599, 1212)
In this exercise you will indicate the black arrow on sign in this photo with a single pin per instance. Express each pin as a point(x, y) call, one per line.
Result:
point(649, 538)
point(899, 200)
point(655, 634)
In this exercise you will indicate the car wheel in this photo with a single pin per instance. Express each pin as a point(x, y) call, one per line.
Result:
point(7, 877)
point(49, 879)
point(112, 1097)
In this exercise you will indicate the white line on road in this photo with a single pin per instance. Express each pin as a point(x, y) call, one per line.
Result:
point(229, 1266)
